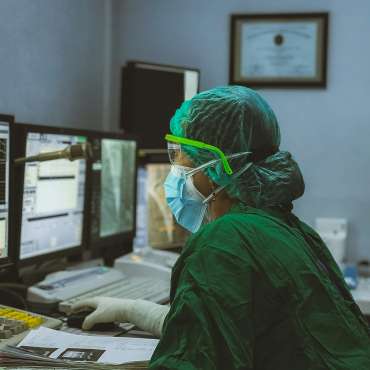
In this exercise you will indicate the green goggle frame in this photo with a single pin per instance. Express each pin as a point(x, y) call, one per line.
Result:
point(201, 145)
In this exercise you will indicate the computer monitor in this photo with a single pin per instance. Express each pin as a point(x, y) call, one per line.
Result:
point(156, 226)
point(51, 193)
point(6, 255)
point(150, 95)
point(112, 202)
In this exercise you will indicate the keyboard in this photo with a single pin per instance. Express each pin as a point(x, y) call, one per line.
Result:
point(134, 276)
point(157, 257)
point(15, 324)
point(138, 288)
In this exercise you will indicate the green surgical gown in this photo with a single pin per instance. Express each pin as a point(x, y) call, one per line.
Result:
point(259, 290)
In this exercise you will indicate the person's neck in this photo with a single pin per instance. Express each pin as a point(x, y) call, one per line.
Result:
point(221, 205)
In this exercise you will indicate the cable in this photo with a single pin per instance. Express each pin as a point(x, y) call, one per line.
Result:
point(16, 286)
point(17, 297)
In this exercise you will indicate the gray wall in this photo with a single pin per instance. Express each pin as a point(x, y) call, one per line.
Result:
point(52, 56)
point(327, 130)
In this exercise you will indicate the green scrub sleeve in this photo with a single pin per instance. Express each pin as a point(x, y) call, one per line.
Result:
point(207, 319)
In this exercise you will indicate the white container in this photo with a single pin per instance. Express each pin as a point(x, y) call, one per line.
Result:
point(334, 232)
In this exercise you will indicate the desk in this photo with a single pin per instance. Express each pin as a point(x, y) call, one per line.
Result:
point(362, 295)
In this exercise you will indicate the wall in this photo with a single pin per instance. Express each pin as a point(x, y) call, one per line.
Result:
point(52, 61)
point(327, 130)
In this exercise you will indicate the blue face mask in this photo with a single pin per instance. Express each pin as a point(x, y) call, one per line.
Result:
point(187, 204)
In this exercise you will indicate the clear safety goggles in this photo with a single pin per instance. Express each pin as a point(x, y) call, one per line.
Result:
point(188, 172)
point(175, 152)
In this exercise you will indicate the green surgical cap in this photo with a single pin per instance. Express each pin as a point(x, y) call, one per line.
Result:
point(237, 119)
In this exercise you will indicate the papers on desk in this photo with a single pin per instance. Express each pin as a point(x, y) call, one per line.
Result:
point(57, 349)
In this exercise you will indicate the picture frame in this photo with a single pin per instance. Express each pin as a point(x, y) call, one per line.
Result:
point(279, 50)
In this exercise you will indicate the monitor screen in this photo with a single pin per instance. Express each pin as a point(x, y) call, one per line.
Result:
point(53, 197)
point(4, 189)
point(156, 225)
point(113, 177)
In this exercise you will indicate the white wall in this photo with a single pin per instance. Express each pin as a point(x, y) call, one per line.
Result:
point(327, 130)
point(52, 61)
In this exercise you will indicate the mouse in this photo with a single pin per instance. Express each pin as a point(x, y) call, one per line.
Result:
point(75, 320)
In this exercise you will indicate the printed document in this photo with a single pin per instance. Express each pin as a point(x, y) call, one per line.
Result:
point(60, 345)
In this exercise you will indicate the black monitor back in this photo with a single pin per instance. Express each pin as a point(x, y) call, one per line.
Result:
point(150, 95)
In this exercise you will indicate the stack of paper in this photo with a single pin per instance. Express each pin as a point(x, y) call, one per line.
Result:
point(48, 348)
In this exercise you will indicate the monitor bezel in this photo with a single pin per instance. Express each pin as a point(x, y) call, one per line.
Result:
point(7, 263)
point(114, 246)
point(20, 132)
point(169, 67)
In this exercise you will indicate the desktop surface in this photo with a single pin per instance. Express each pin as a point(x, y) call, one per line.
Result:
point(361, 295)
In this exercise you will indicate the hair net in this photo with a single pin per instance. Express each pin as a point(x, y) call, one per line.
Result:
point(237, 119)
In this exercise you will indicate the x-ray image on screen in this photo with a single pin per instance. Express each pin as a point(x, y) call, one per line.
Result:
point(117, 186)
point(113, 187)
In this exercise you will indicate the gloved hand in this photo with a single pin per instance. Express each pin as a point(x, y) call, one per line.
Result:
point(106, 310)
point(144, 314)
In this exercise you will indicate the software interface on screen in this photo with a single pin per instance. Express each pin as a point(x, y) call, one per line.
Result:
point(4, 188)
point(53, 197)
point(113, 181)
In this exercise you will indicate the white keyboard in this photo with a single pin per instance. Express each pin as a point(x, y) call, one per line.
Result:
point(144, 275)
point(136, 288)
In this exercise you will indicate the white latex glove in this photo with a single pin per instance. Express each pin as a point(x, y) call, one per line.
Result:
point(146, 315)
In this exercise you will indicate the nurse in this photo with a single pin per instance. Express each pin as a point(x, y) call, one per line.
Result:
point(254, 288)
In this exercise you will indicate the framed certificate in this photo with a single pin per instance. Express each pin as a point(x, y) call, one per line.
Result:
point(279, 50)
